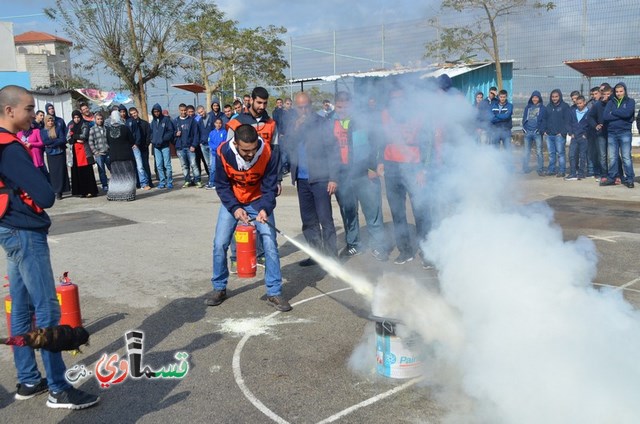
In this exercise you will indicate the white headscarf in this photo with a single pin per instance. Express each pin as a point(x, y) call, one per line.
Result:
point(116, 119)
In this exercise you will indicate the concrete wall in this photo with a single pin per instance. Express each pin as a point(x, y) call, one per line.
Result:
point(7, 49)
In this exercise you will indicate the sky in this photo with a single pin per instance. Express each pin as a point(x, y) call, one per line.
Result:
point(300, 17)
point(538, 52)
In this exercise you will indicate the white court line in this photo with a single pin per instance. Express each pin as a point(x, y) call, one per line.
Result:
point(608, 239)
point(237, 374)
point(616, 287)
point(237, 371)
point(630, 283)
point(370, 401)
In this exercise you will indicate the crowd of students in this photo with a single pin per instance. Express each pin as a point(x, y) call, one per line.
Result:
point(599, 132)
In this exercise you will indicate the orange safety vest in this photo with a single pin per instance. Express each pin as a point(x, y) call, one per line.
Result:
point(246, 184)
point(266, 129)
point(8, 138)
point(404, 146)
point(341, 132)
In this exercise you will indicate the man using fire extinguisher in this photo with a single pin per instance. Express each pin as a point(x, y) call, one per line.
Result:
point(246, 180)
point(24, 191)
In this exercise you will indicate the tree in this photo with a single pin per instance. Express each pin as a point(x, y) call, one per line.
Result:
point(134, 38)
point(225, 56)
point(481, 34)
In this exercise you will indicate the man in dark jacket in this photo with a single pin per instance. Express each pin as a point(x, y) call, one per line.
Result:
point(597, 122)
point(23, 234)
point(314, 170)
point(358, 181)
point(187, 142)
point(246, 180)
point(162, 134)
point(619, 115)
point(133, 126)
point(501, 122)
point(533, 125)
point(145, 139)
point(558, 125)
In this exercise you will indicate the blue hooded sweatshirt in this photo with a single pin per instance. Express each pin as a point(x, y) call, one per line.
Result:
point(162, 130)
point(558, 117)
point(579, 123)
point(189, 134)
point(58, 121)
point(534, 116)
point(619, 113)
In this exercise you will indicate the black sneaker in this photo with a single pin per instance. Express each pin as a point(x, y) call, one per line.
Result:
point(307, 262)
point(26, 391)
point(71, 398)
point(629, 184)
point(261, 261)
point(380, 255)
point(403, 258)
point(607, 182)
point(560, 175)
point(350, 251)
point(279, 303)
point(216, 298)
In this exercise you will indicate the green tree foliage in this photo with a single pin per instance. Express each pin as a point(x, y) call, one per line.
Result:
point(225, 57)
point(133, 38)
point(479, 35)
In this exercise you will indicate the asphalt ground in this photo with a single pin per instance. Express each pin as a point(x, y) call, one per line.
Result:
point(146, 265)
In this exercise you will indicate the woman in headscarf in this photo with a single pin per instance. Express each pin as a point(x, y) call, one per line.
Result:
point(122, 185)
point(55, 145)
point(83, 180)
point(33, 140)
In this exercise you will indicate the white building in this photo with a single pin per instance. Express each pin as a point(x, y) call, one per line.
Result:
point(46, 57)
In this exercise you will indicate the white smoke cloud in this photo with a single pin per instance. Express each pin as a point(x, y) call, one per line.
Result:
point(515, 331)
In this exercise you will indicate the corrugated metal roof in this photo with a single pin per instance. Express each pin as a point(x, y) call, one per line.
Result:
point(31, 37)
point(610, 67)
point(429, 71)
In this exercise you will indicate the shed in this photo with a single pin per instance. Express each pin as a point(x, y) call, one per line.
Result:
point(467, 78)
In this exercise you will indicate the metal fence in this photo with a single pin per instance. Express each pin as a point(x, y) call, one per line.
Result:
point(538, 42)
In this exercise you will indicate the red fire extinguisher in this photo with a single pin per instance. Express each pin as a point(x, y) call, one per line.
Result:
point(246, 250)
point(69, 300)
point(7, 307)
point(7, 310)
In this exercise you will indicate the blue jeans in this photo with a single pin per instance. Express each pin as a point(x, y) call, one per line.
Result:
point(206, 155)
point(398, 187)
point(366, 191)
point(142, 175)
point(578, 157)
point(317, 216)
point(32, 288)
point(556, 146)
point(103, 163)
point(162, 156)
point(212, 168)
point(620, 143)
point(501, 134)
point(188, 161)
point(529, 139)
point(225, 227)
point(601, 146)
point(144, 152)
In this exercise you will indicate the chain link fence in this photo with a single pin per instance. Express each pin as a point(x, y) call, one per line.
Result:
point(537, 42)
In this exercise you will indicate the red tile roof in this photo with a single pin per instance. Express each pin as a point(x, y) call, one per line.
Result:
point(32, 37)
